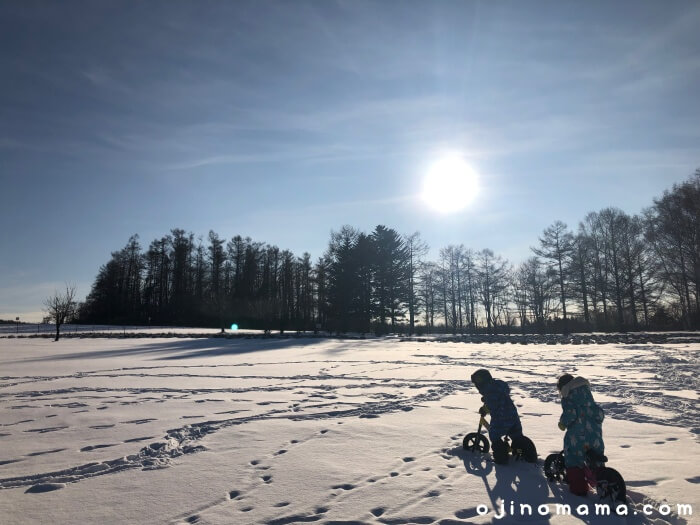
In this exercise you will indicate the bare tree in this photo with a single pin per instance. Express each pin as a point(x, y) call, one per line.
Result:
point(536, 292)
point(492, 276)
point(416, 249)
point(469, 273)
point(61, 307)
point(673, 230)
point(429, 292)
point(449, 261)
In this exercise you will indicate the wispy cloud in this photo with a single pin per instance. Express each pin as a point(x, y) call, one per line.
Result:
point(339, 106)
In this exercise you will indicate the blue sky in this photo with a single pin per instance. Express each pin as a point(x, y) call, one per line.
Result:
point(282, 121)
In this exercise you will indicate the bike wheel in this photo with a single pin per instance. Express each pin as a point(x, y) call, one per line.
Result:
point(610, 485)
point(524, 449)
point(475, 442)
point(554, 468)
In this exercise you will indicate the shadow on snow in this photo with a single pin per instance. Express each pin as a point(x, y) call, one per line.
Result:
point(188, 349)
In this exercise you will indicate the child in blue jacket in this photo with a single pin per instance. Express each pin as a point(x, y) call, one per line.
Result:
point(504, 416)
point(582, 418)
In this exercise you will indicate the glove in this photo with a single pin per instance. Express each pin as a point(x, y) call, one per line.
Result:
point(562, 426)
point(484, 410)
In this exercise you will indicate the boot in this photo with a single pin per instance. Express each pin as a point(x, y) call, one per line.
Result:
point(500, 452)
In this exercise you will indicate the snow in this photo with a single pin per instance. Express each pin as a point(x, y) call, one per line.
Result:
point(277, 431)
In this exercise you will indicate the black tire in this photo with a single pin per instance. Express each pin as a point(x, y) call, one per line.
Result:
point(554, 468)
point(610, 485)
point(524, 449)
point(475, 442)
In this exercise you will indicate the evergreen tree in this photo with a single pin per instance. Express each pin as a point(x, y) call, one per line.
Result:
point(391, 276)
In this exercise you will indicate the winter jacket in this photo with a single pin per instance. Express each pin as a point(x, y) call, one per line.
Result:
point(504, 415)
point(583, 419)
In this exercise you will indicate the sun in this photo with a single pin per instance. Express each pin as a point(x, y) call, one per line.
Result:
point(450, 185)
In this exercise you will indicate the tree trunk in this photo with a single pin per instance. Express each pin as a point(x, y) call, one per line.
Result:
point(563, 295)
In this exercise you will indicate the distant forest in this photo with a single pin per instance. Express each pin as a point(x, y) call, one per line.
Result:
point(615, 272)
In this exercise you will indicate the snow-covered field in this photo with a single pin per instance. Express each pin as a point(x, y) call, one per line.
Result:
point(278, 431)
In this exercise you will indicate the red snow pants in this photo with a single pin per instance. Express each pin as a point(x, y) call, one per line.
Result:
point(576, 478)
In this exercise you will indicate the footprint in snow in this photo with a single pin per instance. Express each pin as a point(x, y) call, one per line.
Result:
point(378, 511)
point(466, 513)
point(16, 423)
point(134, 440)
point(54, 451)
point(233, 494)
point(408, 459)
point(44, 487)
point(95, 447)
point(45, 430)
point(267, 479)
point(344, 486)
point(192, 519)
point(281, 504)
point(280, 452)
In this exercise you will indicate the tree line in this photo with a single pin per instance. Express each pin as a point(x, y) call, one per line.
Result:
point(613, 272)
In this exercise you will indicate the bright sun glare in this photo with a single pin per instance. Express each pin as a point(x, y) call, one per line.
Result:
point(450, 185)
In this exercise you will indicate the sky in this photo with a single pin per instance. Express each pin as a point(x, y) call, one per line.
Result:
point(285, 120)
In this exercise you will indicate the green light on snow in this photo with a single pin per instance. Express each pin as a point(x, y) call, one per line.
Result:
point(234, 326)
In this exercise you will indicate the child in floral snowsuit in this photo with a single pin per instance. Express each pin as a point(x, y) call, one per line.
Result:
point(582, 419)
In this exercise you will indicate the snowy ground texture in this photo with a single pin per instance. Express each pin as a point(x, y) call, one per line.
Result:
point(308, 430)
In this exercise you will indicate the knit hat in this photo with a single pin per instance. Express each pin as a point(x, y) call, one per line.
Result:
point(563, 380)
point(481, 377)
